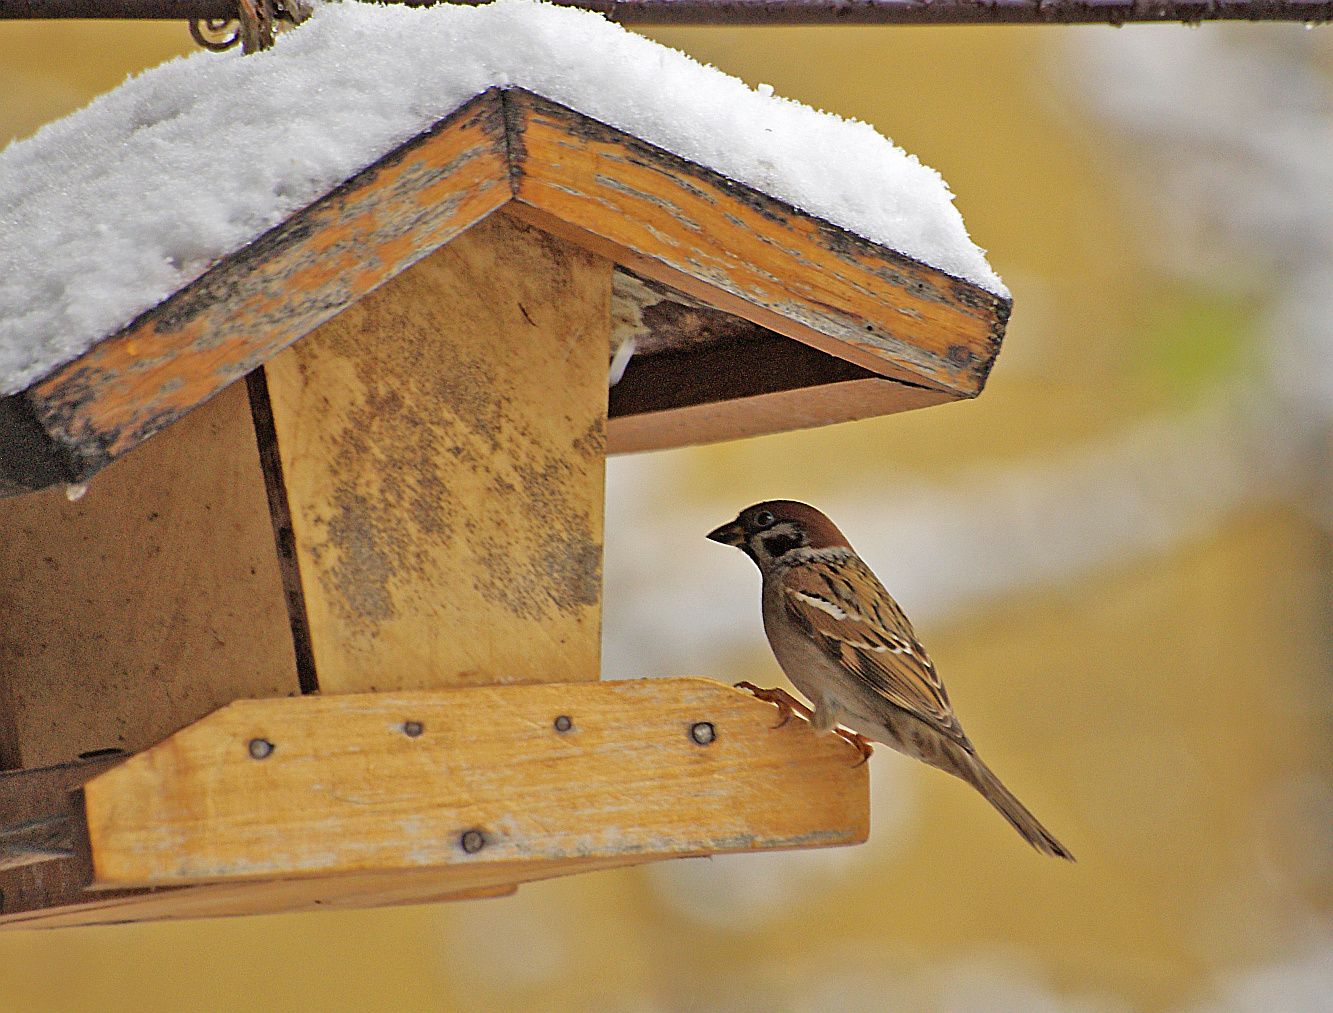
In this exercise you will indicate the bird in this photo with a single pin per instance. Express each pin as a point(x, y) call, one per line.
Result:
point(847, 646)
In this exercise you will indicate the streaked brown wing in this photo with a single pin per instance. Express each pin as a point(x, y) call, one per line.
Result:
point(844, 608)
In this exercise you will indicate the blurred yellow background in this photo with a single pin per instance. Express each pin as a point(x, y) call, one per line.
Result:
point(1117, 556)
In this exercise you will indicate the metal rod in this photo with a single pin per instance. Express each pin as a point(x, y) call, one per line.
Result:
point(781, 12)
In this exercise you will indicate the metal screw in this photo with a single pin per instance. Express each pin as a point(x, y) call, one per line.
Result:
point(564, 723)
point(473, 841)
point(261, 749)
point(413, 729)
point(703, 732)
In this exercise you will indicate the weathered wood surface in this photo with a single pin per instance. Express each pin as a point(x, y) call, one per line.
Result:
point(146, 604)
point(49, 890)
point(287, 896)
point(721, 242)
point(778, 411)
point(31, 881)
point(347, 787)
point(747, 253)
point(700, 375)
point(269, 293)
point(443, 449)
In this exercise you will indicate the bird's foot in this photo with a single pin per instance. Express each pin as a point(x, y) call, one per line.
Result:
point(859, 741)
point(786, 703)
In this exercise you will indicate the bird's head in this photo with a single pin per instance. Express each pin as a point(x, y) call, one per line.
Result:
point(772, 533)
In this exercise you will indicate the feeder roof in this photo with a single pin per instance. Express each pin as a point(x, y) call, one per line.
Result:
point(774, 268)
point(108, 211)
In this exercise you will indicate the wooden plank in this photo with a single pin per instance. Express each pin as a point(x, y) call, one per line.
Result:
point(757, 415)
point(291, 279)
point(736, 367)
point(233, 899)
point(719, 241)
point(700, 375)
point(148, 603)
point(48, 891)
point(747, 253)
point(442, 446)
point(487, 780)
point(658, 318)
point(29, 797)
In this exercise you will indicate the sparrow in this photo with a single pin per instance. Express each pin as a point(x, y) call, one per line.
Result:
point(847, 646)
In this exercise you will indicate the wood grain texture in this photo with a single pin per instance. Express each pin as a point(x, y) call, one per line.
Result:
point(289, 896)
point(780, 411)
point(150, 602)
point(346, 789)
point(52, 893)
point(266, 295)
point(47, 796)
point(701, 375)
point(722, 243)
point(736, 366)
point(747, 253)
point(442, 446)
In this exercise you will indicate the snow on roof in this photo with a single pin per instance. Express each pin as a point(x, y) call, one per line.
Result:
point(107, 212)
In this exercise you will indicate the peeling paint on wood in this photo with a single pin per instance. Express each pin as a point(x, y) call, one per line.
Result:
point(269, 293)
point(722, 243)
point(750, 254)
point(345, 790)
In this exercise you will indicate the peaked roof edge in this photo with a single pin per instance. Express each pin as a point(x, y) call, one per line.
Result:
point(668, 219)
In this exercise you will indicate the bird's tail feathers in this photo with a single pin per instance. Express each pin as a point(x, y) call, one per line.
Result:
point(980, 776)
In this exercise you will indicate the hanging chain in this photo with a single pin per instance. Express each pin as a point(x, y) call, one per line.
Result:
point(254, 26)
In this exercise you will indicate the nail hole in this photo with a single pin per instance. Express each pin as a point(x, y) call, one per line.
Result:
point(412, 729)
point(564, 723)
point(472, 841)
point(261, 749)
point(703, 732)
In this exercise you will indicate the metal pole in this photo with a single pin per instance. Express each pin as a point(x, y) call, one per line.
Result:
point(782, 12)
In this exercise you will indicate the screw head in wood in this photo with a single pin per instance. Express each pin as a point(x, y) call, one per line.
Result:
point(261, 749)
point(412, 729)
point(703, 732)
point(564, 723)
point(473, 841)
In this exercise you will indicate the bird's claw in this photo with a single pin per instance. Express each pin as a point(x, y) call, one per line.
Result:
point(785, 702)
point(788, 704)
point(861, 743)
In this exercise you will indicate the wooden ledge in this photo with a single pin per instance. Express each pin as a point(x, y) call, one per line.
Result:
point(479, 785)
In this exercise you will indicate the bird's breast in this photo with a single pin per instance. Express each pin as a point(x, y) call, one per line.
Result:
point(807, 666)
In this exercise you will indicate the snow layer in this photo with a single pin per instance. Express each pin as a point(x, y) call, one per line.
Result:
point(105, 213)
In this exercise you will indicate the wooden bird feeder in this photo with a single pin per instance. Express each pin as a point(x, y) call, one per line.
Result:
point(331, 636)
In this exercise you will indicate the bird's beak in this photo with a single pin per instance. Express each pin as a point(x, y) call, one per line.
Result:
point(729, 534)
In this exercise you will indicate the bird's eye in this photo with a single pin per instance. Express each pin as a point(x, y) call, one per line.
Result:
point(764, 519)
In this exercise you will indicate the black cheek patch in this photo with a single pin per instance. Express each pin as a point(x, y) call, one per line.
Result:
point(779, 545)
